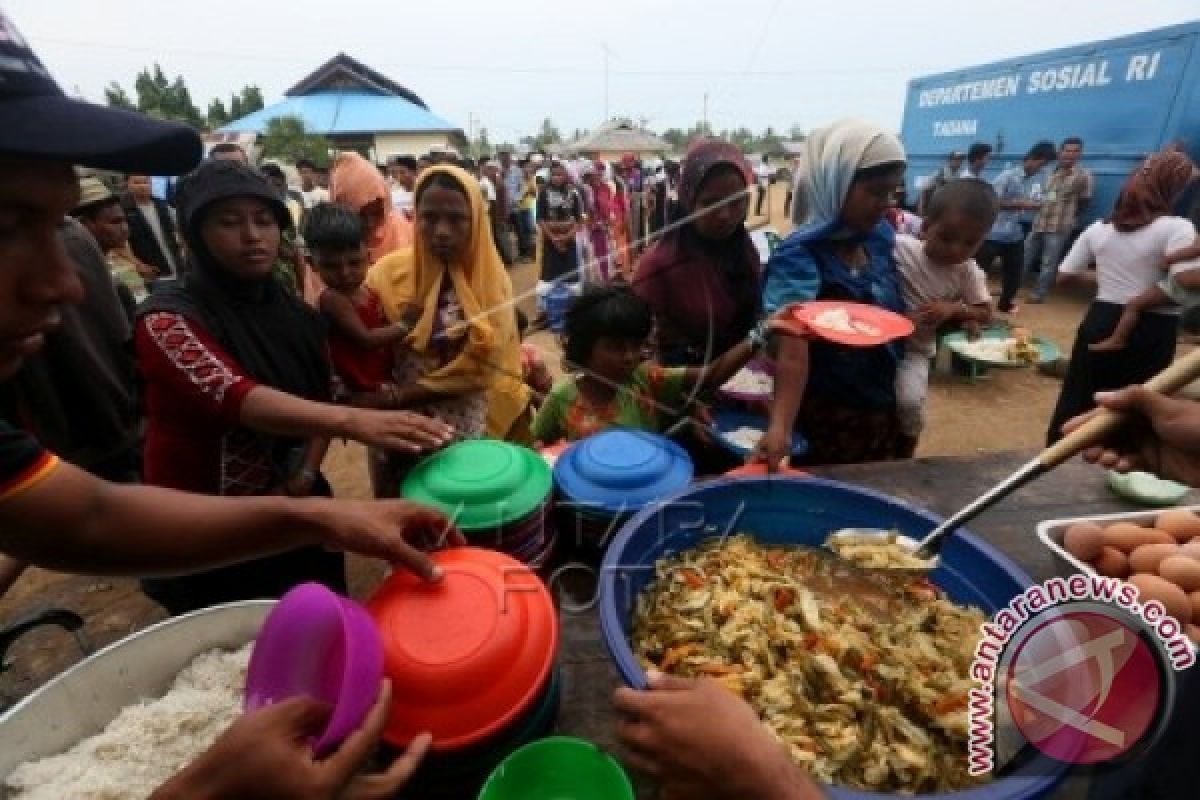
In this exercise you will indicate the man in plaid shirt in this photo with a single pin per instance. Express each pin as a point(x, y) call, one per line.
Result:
point(1067, 195)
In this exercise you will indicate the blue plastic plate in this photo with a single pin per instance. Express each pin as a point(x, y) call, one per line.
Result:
point(621, 470)
point(727, 420)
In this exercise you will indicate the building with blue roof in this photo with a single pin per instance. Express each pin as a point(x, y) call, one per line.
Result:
point(358, 108)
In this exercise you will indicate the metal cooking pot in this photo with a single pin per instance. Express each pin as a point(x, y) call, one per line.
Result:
point(87, 697)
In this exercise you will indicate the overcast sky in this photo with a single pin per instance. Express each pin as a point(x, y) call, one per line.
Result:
point(509, 65)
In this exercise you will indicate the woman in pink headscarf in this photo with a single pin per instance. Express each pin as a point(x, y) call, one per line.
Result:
point(356, 184)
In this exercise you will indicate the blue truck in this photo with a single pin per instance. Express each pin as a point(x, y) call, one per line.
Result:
point(1125, 97)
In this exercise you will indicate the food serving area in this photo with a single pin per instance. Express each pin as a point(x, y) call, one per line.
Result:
point(575, 699)
point(941, 485)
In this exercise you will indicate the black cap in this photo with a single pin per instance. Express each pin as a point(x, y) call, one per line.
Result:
point(217, 180)
point(37, 120)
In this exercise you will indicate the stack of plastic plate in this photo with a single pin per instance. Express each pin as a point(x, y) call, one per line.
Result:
point(606, 478)
point(471, 659)
point(497, 493)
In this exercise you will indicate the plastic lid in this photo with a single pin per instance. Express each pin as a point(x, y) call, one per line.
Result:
point(481, 483)
point(622, 470)
point(466, 655)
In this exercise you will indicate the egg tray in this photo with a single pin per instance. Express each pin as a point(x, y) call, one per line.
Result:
point(1051, 533)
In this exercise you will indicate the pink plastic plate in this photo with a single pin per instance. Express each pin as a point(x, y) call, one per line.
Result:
point(317, 644)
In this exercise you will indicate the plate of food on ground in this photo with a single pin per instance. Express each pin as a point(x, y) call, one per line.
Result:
point(853, 324)
point(1003, 347)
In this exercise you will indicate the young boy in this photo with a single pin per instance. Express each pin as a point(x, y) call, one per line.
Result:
point(1181, 286)
point(360, 337)
point(941, 284)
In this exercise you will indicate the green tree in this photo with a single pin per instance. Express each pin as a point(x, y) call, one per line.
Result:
point(675, 137)
point(549, 133)
point(770, 141)
point(252, 99)
point(245, 102)
point(117, 97)
point(797, 134)
point(171, 99)
point(217, 115)
point(287, 140)
point(743, 137)
point(158, 97)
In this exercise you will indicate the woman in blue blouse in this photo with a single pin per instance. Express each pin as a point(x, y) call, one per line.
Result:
point(841, 398)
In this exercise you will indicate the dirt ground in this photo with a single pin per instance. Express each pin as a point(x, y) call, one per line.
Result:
point(1006, 410)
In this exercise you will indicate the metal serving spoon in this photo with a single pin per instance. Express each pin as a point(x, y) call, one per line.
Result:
point(1093, 432)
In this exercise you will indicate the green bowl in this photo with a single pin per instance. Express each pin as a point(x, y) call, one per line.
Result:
point(483, 484)
point(558, 768)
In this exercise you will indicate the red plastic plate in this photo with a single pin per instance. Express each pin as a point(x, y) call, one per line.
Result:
point(870, 325)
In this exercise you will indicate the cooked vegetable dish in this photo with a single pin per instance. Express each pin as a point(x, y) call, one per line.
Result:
point(866, 689)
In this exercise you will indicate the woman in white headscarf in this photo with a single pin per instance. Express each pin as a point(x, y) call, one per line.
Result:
point(841, 399)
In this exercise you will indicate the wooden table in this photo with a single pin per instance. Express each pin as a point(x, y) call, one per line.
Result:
point(942, 485)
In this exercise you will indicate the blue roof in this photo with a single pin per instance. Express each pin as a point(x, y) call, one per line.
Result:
point(346, 112)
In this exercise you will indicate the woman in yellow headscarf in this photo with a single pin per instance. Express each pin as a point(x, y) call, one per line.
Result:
point(462, 361)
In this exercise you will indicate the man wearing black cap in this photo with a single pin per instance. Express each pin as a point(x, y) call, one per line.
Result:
point(55, 515)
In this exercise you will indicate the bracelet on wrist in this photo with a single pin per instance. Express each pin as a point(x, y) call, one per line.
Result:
point(758, 336)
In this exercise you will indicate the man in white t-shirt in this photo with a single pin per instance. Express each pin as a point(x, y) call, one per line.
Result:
point(763, 173)
point(402, 177)
point(978, 156)
point(487, 186)
point(310, 188)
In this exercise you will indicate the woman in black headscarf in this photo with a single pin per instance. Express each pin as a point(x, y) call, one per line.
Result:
point(238, 383)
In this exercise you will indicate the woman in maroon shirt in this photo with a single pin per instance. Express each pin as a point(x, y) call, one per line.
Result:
point(237, 382)
point(702, 277)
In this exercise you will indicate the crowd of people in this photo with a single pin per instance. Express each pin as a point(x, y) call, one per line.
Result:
point(174, 367)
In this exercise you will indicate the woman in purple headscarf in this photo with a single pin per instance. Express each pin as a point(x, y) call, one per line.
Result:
point(702, 277)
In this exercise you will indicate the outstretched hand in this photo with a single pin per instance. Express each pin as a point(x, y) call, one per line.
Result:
point(397, 531)
point(1163, 437)
point(700, 740)
point(402, 431)
point(267, 755)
